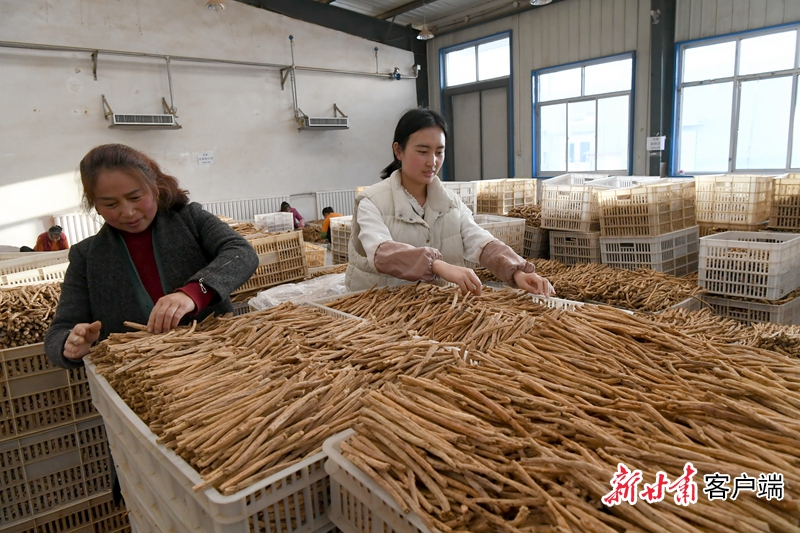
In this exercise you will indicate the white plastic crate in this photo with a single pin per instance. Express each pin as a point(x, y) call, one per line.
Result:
point(32, 261)
point(497, 197)
point(275, 222)
point(733, 199)
point(647, 209)
point(569, 202)
point(358, 504)
point(281, 258)
point(674, 253)
point(760, 265)
point(157, 484)
point(572, 247)
point(341, 227)
point(46, 274)
point(315, 255)
point(708, 228)
point(787, 313)
point(536, 243)
point(94, 515)
point(507, 229)
point(465, 190)
point(785, 207)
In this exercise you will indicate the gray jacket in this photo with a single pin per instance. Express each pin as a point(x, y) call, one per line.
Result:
point(101, 283)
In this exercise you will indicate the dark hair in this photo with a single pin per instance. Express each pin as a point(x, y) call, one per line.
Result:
point(411, 122)
point(285, 206)
point(137, 165)
point(55, 229)
point(327, 210)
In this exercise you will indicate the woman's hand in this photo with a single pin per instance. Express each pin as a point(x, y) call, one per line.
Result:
point(534, 283)
point(168, 311)
point(464, 277)
point(80, 340)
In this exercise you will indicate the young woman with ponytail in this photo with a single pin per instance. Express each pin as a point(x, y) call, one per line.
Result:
point(158, 260)
point(410, 227)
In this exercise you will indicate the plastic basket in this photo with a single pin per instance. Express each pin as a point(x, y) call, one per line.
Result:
point(648, 209)
point(35, 396)
point(760, 265)
point(341, 227)
point(674, 253)
point(45, 274)
point(496, 197)
point(733, 199)
point(465, 190)
point(32, 261)
point(536, 243)
point(52, 469)
point(750, 311)
point(569, 202)
point(507, 229)
point(705, 228)
point(315, 255)
point(275, 222)
point(572, 247)
point(155, 480)
point(94, 515)
point(281, 258)
point(358, 504)
point(785, 207)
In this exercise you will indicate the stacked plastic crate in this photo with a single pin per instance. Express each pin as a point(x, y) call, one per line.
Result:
point(737, 202)
point(281, 258)
point(650, 224)
point(506, 229)
point(275, 222)
point(497, 197)
point(465, 190)
point(784, 212)
point(54, 456)
point(751, 276)
point(340, 238)
point(570, 212)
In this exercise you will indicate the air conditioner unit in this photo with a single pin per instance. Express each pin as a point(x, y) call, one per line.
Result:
point(322, 123)
point(119, 120)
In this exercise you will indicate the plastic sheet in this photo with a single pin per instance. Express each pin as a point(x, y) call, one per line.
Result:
point(304, 291)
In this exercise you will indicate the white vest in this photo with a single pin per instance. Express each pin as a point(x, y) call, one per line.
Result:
point(440, 229)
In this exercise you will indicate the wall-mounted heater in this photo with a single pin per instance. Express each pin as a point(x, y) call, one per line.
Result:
point(142, 121)
point(304, 122)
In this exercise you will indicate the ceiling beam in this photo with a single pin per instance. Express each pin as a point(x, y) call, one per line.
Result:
point(405, 8)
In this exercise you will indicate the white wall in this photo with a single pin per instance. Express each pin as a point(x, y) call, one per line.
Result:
point(556, 34)
point(52, 111)
point(696, 19)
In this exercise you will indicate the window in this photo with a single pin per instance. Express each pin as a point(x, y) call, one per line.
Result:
point(486, 60)
point(737, 103)
point(583, 117)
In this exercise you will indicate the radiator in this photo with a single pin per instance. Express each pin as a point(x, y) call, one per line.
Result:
point(341, 201)
point(78, 226)
point(246, 209)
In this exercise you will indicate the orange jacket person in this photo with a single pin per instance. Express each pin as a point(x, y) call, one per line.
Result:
point(51, 240)
point(326, 224)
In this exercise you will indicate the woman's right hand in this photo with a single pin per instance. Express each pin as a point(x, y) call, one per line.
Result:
point(464, 277)
point(80, 340)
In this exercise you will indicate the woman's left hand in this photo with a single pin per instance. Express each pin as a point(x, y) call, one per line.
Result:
point(534, 283)
point(168, 312)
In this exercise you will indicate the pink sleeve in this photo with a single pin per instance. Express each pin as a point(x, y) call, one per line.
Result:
point(405, 261)
point(503, 262)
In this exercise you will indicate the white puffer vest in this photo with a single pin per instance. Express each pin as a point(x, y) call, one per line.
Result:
point(440, 229)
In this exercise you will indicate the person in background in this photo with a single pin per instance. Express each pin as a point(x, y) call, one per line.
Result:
point(52, 240)
point(409, 227)
point(158, 259)
point(326, 224)
point(299, 221)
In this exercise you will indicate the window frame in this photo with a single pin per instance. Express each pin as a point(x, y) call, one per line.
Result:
point(736, 80)
point(474, 44)
point(536, 115)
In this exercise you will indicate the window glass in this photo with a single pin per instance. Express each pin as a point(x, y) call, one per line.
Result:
point(460, 66)
point(560, 84)
point(709, 62)
point(612, 133)
point(763, 136)
point(705, 128)
point(581, 136)
point(796, 133)
point(553, 137)
point(767, 53)
point(494, 59)
point(608, 77)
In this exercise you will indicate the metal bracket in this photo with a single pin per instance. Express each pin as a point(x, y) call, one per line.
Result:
point(167, 109)
point(336, 109)
point(107, 112)
point(284, 74)
point(94, 64)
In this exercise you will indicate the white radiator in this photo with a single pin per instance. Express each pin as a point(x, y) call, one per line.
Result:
point(246, 209)
point(341, 201)
point(78, 226)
